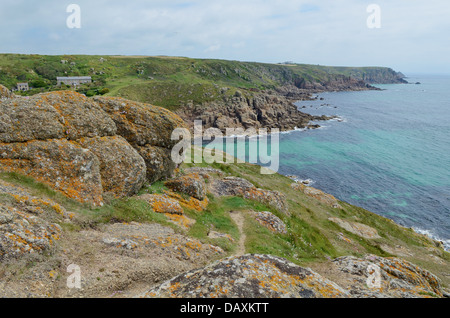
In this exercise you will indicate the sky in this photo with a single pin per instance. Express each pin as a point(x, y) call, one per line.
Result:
point(412, 37)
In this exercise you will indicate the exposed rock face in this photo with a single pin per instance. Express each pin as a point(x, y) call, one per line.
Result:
point(121, 257)
point(379, 76)
point(62, 164)
point(191, 184)
point(399, 278)
point(26, 223)
point(248, 276)
point(190, 202)
point(241, 187)
point(148, 129)
point(71, 143)
point(265, 276)
point(357, 228)
point(230, 186)
point(53, 115)
point(141, 124)
point(323, 197)
point(161, 203)
point(271, 221)
point(5, 93)
point(22, 233)
point(273, 198)
point(260, 111)
point(122, 169)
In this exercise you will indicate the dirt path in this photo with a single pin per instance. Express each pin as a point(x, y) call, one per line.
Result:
point(238, 218)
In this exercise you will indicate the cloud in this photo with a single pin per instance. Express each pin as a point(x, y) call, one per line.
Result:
point(412, 38)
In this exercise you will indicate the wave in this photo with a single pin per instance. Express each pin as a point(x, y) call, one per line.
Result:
point(433, 236)
point(297, 179)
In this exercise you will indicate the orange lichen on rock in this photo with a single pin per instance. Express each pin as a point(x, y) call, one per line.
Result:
point(398, 278)
point(191, 184)
point(22, 233)
point(249, 276)
point(122, 169)
point(63, 165)
point(181, 220)
point(317, 194)
point(270, 221)
point(189, 203)
point(162, 203)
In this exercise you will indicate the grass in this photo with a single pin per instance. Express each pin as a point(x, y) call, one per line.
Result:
point(311, 236)
point(116, 210)
point(165, 81)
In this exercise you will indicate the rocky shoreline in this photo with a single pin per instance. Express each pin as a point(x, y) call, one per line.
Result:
point(266, 108)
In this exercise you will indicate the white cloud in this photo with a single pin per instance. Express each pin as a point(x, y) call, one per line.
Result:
point(318, 32)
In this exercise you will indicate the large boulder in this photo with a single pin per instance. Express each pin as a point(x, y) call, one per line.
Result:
point(5, 93)
point(397, 278)
point(62, 164)
point(141, 124)
point(248, 276)
point(191, 184)
point(54, 115)
point(158, 162)
point(162, 203)
point(148, 128)
point(270, 221)
point(72, 143)
point(122, 169)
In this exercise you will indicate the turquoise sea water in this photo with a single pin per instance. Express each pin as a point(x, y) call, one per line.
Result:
point(390, 153)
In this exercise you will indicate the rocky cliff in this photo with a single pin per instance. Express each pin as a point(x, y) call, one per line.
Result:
point(255, 110)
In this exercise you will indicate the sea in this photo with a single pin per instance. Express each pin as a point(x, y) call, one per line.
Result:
point(387, 151)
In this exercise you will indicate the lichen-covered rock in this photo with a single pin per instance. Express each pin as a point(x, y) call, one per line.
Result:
point(162, 203)
point(141, 124)
point(158, 162)
point(54, 115)
point(5, 93)
point(261, 110)
point(205, 172)
point(192, 184)
point(272, 198)
point(271, 221)
point(229, 186)
point(398, 278)
point(248, 276)
point(240, 187)
point(64, 138)
point(323, 197)
point(64, 165)
point(22, 233)
point(359, 229)
point(181, 220)
point(190, 203)
point(148, 129)
point(122, 169)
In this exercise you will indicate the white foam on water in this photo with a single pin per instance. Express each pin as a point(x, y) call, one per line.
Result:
point(433, 236)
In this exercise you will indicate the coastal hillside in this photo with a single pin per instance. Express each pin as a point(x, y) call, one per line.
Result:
point(220, 93)
point(87, 186)
point(120, 74)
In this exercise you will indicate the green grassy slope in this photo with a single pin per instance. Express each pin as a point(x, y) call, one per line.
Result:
point(167, 81)
point(311, 237)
